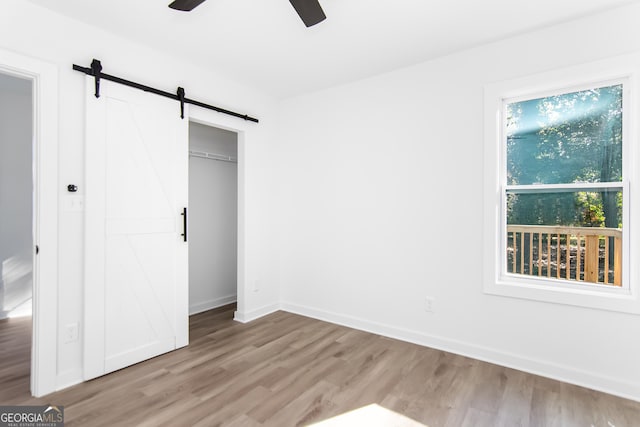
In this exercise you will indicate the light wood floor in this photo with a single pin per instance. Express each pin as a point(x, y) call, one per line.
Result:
point(286, 370)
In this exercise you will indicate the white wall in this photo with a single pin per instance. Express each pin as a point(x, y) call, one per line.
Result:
point(33, 31)
point(381, 206)
point(16, 196)
point(213, 237)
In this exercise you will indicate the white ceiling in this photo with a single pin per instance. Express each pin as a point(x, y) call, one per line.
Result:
point(264, 44)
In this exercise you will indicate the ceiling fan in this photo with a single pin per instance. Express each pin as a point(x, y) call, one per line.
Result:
point(310, 11)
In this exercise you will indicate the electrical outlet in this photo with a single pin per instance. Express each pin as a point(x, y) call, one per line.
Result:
point(428, 304)
point(71, 333)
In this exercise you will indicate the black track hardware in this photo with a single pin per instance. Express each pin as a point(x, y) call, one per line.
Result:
point(96, 71)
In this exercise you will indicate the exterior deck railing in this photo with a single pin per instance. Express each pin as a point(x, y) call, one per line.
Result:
point(589, 254)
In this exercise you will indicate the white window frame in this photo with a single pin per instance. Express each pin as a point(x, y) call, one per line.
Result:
point(620, 70)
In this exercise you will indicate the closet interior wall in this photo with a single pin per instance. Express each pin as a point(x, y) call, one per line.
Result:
point(213, 216)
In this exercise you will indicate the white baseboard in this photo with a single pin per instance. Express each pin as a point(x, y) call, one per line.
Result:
point(211, 304)
point(248, 316)
point(568, 374)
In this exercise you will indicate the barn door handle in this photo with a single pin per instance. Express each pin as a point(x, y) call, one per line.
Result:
point(184, 224)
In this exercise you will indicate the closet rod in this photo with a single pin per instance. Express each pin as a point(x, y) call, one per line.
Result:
point(96, 71)
point(212, 156)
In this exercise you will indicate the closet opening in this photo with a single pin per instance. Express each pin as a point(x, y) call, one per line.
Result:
point(213, 217)
point(16, 232)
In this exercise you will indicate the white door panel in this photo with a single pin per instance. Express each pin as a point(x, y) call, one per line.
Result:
point(137, 286)
point(140, 315)
point(141, 226)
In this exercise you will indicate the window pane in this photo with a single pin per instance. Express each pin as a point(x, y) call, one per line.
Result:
point(572, 208)
point(561, 139)
point(566, 235)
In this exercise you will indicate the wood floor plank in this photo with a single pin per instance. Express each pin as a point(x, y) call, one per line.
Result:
point(287, 370)
point(478, 418)
point(515, 405)
point(290, 387)
point(307, 407)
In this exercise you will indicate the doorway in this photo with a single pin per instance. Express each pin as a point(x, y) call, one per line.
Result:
point(16, 230)
point(213, 217)
point(43, 77)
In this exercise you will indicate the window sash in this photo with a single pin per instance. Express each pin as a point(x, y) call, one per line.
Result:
point(507, 189)
point(562, 188)
point(567, 284)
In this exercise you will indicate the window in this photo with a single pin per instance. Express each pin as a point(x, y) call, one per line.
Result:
point(558, 165)
point(563, 193)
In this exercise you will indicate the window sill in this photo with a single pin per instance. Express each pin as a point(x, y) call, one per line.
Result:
point(592, 296)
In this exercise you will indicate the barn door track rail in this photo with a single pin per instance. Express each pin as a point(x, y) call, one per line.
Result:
point(96, 71)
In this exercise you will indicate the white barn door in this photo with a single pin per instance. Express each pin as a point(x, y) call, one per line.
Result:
point(136, 284)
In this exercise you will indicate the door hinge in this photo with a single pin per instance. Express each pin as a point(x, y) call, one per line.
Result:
point(37, 249)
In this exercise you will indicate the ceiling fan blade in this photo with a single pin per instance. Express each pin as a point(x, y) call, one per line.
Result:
point(185, 5)
point(309, 10)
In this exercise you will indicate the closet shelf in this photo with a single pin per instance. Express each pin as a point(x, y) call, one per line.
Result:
point(212, 156)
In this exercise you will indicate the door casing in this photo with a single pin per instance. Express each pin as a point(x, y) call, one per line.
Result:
point(244, 131)
point(44, 350)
